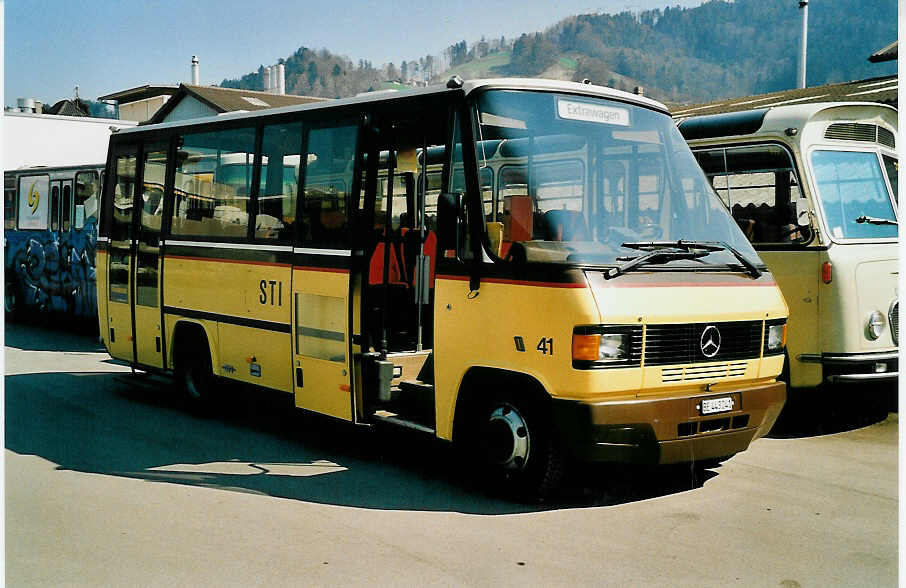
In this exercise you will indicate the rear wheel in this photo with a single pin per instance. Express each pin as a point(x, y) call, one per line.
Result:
point(516, 446)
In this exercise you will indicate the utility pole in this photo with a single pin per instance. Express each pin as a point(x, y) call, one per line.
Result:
point(803, 6)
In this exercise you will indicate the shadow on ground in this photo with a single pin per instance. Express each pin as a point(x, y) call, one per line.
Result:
point(69, 337)
point(126, 426)
point(828, 410)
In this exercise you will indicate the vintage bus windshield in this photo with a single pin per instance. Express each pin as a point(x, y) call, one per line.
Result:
point(854, 195)
point(578, 177)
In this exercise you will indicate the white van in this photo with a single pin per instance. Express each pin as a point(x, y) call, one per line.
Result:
point(814, 187)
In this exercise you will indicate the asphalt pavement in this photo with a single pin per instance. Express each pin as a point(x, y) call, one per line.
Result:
point(111, 481)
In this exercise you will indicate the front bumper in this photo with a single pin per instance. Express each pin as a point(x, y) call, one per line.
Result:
point(850, 368)
point(667, 430)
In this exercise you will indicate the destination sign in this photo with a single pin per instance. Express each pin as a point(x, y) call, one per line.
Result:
point(608, 115)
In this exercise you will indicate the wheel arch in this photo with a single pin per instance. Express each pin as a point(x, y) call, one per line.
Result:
point(480, 383)
point(185, 330)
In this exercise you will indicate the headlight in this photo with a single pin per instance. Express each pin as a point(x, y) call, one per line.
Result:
point(601, 347)
point(776, 338)
point(875, 326)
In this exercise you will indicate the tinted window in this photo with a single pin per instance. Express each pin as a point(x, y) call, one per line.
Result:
point(281, 148)
point(86, 196)
point(213, 183)
point(328, 178)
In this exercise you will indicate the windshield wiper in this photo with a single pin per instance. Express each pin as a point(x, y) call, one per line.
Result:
point(655, 256)
point(875, 221)
point(705, 247)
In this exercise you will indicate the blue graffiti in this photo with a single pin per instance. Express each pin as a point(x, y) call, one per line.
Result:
point(54, 271)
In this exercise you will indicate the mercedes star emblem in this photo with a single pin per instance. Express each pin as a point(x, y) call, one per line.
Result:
point(710, 341)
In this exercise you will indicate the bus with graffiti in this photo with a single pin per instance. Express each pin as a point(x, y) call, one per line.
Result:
point(54, 168)
point(50, 236)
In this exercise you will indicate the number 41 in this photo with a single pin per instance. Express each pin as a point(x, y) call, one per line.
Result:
point(546, 345)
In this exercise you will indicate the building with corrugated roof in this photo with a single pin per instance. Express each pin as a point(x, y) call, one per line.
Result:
point(153, 104)
point(883, 90)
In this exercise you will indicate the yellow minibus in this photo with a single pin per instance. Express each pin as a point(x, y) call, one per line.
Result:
point(536, 270)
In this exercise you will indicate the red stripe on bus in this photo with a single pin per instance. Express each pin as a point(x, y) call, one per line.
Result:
point(220, 260)
point(333, 270)
point(688, 284)
point(515, 282)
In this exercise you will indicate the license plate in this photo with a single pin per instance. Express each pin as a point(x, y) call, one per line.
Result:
point(714, 405)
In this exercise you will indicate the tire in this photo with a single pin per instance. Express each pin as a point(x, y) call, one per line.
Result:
point(194, 373)
point(12, 301)
point(514, 443)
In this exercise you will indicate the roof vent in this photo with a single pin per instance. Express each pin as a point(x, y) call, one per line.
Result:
point(852, 132)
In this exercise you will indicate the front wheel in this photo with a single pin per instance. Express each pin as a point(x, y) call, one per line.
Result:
point(516, 446)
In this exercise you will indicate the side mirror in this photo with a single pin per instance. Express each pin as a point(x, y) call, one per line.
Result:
point(802, 212)
point(449, 206)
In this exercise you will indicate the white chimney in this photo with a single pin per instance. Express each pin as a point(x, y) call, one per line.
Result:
point(281, 79)
point(196, 75)
point(266, 82)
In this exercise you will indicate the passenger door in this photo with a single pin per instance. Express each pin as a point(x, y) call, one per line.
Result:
point(146, 259)
point(321, 307)
point(119, 299)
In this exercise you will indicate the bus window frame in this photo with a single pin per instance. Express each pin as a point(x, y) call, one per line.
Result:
point(819, 201)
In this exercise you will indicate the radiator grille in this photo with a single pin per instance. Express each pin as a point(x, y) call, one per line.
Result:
point(893, 316)
point(885, 137)
point(687, 373)
point(682, 344)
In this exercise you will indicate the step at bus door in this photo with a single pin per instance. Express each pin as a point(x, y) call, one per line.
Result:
point(146, 259)
point(321, 273)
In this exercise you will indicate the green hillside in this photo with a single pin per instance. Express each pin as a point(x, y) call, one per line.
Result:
point(717, 50)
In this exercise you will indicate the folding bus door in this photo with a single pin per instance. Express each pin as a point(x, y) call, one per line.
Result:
point(146, 260)
point(119, 296)
point(321, 274)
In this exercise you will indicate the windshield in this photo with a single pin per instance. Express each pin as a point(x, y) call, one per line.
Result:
point(853, 194)
point(576, 178)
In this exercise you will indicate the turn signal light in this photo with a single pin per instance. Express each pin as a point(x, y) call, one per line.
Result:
point(586, 347)
point(826, 272)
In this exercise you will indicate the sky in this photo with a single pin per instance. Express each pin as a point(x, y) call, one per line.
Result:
point(106, 46)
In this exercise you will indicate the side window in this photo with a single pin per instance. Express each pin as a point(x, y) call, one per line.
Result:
point(67, 207)
point(87, 186)
point(123, 194)
point(9, 203)
point(55, 207)
point(281, 148)
point(760, 187)
point(213, 184)
point(324, 214)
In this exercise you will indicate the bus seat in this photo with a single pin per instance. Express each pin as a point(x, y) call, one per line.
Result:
point(376, 266)
point(518, 221)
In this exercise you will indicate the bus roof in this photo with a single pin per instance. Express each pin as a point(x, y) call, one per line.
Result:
point(438, 89)
point(779, 118)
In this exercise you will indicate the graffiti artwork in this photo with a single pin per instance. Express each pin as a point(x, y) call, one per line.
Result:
point(53, 271)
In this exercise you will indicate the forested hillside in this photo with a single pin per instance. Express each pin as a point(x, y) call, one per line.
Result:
point(717, 50)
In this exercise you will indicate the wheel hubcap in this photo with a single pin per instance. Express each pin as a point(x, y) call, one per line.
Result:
point(508, 438)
